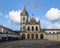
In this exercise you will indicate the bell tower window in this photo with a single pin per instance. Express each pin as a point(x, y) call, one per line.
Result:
point(23, 18)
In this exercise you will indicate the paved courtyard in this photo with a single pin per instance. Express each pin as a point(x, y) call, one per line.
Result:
point(30, 44)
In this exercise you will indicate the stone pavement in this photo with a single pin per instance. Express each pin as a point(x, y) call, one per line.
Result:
point(30, 44)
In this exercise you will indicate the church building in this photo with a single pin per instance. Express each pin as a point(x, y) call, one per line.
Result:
point(30, 28)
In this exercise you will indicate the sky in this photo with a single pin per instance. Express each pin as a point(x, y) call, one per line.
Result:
point(47, 11)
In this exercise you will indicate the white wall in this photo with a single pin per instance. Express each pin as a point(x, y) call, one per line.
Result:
point(51, 31)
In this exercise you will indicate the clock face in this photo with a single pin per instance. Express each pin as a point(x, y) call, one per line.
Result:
point(24, 14)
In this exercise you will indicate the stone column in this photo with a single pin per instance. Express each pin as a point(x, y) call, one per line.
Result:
point(30, 36)
point(34, 36)
point(25, 35)
point(38, 36)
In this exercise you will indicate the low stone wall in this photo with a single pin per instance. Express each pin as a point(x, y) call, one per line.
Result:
point(53, 37)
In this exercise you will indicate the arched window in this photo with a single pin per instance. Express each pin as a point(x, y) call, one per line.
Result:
point(32, 28)
point(23, 18)
point(28, 28)
point(36, 28)
point(50, 32)
point(53, 32)
point(23, 36)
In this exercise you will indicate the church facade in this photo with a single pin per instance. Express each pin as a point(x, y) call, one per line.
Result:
point(31, 29)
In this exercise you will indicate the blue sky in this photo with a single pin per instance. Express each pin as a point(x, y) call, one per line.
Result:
point(37, 7)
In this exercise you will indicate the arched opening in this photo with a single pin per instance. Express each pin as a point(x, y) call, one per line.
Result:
point(32, 28)
point(41, 36)
point(32, 36)
point(23, 36)
point(36, 36)
point(28, 36)
point(23, 18)
point(28, 28)
point(36, 28)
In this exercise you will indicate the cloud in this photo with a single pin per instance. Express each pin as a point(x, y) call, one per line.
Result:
point(54, 26)
point(1, 14)
point(6, 16)
point(49, 25)
point(14, 16)
point(45, 22)
point(53, 14)
point(37, 19)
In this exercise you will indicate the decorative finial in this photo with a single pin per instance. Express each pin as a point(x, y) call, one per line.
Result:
point(24, 7)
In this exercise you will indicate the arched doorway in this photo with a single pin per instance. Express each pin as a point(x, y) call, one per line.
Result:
point(41, 36)
point(28, 36)
point(36, 36)
point(23, 36)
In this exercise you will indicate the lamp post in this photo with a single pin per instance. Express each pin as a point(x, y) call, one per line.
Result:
point(57, 35)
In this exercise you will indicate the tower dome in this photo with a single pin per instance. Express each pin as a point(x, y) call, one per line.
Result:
point(24, 12)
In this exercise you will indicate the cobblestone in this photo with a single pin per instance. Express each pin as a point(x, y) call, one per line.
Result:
point(30, 44)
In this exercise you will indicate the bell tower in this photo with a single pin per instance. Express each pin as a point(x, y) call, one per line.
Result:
point(24, 19)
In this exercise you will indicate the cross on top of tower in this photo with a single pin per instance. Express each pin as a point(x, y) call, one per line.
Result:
point(24, 12)
point(24, 8)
